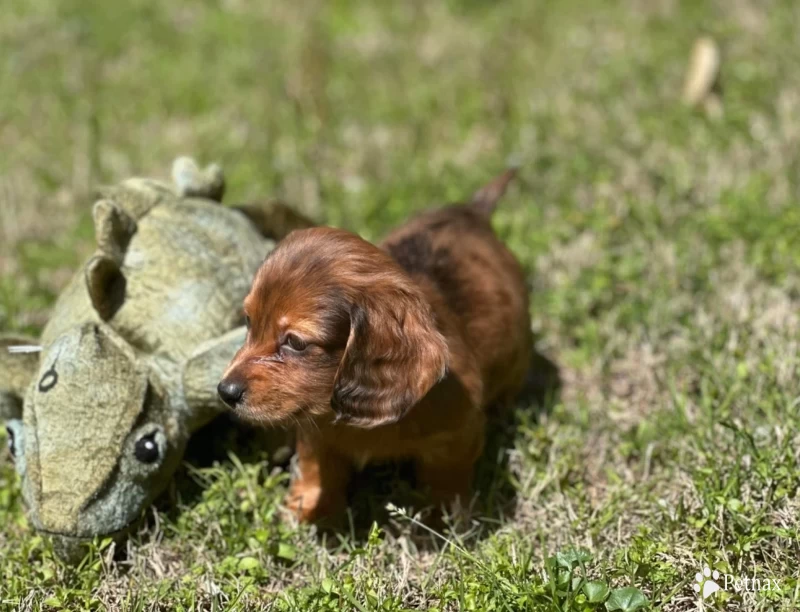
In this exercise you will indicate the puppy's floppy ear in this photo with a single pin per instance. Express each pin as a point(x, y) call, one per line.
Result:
point(394, 355)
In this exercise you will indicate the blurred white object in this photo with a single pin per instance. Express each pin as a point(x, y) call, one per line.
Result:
point(702, 76)
point(25, 348)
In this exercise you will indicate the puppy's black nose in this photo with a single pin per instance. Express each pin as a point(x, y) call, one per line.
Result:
point(230, 392)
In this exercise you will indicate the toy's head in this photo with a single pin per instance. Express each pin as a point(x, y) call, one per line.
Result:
point(99, 410)
point(96, 435)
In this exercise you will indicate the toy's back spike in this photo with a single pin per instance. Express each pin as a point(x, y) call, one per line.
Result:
point(485, 199)
point(136, 196)
point(274, 219)
point(192, 182)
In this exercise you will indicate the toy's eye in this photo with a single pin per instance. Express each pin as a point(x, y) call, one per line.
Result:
point(146, 449)
point(295, 343)
point(49, 380)
point(12, 443)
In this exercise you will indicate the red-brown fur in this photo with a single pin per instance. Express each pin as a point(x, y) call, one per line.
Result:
point(397, 351)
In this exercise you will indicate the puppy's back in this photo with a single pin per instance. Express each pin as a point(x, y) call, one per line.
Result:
point(454, 252)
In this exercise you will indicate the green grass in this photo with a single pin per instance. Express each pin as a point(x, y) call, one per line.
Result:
point(663, 250)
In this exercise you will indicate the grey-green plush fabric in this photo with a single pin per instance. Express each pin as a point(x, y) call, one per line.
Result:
point(15, 374)
point(132, 353)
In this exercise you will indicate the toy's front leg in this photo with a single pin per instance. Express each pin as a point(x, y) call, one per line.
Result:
point(319, 488)
point(202, 374)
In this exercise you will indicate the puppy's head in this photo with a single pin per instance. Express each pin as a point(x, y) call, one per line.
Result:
point(336, 328)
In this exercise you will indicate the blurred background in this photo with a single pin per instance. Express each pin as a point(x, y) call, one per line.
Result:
point(355, 112)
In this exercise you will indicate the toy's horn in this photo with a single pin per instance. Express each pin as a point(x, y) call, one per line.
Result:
point(105, 284)
point(113, 229)
point(193, 182)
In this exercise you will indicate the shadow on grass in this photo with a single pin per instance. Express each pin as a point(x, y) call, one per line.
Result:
point(214, 443)
point(493, 481)
point(495, 494)
point(376, 486)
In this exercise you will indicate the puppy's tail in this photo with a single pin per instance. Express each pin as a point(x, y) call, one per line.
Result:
point(486, 198)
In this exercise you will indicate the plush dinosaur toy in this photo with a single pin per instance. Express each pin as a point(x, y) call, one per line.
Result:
point(100, 408)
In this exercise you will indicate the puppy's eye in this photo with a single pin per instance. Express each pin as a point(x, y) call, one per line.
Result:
point(294, 343)
point(247, 321)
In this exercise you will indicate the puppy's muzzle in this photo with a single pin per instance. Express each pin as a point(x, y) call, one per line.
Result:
point(231, 392)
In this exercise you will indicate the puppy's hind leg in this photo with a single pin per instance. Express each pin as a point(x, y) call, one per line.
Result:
point(447, 474)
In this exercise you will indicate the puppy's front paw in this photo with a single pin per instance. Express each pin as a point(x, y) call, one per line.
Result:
point(312, 504)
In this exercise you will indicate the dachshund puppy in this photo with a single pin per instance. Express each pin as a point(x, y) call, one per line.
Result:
point(384, 352)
